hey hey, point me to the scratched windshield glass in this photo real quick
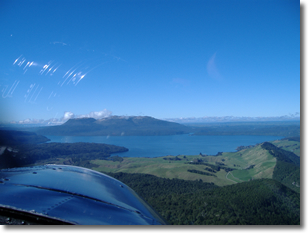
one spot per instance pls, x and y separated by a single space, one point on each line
182 61
45 79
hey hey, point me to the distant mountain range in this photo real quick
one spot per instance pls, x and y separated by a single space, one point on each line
115 126
149 126
184 120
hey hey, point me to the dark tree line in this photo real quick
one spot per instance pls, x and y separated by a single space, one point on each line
200 172
213 168
258 202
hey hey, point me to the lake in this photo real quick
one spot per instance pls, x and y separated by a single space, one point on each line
156 146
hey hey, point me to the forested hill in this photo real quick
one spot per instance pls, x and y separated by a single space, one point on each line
14 137
115 126
21 148
78 154
257 202
287 169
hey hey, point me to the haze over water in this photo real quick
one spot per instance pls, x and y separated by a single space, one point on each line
156 146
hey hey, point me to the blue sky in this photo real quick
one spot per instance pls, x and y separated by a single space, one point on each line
164 59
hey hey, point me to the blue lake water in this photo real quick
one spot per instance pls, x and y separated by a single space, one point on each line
156 146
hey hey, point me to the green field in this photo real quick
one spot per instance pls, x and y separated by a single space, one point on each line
292 146
244 165
225 169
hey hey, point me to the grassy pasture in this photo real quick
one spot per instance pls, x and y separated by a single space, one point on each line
235 167
252 163
292 146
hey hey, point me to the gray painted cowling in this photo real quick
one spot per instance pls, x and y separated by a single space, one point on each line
73 195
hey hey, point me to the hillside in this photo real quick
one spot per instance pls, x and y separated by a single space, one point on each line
291 144
14 137
77 154
115 126
287 169
261 161
258 202
264 160
22 148
223 169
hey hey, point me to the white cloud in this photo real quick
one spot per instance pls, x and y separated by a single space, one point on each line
97 115
31 121
68 115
